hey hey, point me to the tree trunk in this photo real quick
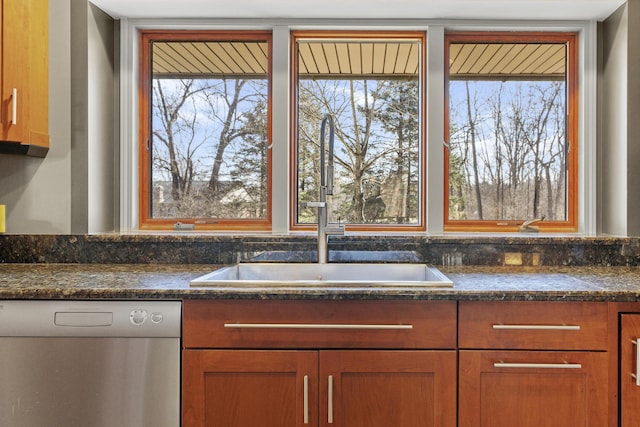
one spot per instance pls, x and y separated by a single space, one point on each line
224 140
474 154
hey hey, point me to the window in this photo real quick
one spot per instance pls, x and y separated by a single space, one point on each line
205 129
512 131
372 86
222 142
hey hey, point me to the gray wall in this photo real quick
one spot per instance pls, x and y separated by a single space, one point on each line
37 191
93 120
619 119
60 193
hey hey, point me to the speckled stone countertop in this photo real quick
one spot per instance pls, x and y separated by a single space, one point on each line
171 282
454 250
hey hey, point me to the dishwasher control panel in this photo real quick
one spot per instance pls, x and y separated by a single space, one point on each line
91 318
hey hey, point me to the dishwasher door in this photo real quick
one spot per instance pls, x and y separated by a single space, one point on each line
89 364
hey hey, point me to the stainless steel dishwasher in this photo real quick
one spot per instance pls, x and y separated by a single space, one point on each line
90 363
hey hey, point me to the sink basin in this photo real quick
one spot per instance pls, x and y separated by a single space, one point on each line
332 274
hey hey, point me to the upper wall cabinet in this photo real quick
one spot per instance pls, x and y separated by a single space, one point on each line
24 65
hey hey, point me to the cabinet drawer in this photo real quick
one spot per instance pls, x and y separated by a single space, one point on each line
533 325
319 324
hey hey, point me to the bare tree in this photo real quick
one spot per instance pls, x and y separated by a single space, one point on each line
471 120
232 125
196 122
538 139
176 133
399 116
510 140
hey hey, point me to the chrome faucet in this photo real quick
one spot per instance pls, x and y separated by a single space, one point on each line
326 188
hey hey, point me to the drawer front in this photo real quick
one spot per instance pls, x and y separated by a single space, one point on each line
319 324
533 325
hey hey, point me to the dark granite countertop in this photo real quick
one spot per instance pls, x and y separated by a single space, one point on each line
169 281
449 250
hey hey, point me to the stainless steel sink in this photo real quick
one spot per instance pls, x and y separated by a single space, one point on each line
331 274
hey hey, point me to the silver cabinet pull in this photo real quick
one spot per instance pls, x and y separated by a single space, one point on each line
539 327
330 400
637 373
538 365
14 106
311 326
305 416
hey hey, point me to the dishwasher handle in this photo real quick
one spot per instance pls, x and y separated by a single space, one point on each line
83 319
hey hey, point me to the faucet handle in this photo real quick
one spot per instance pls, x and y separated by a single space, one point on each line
313 205
335 228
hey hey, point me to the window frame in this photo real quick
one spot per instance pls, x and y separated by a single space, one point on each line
128 94
146 39
407 34
571 38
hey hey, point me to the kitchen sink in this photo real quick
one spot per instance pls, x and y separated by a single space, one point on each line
330 274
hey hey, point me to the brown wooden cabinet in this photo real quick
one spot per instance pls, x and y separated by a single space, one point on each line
404 364
24 108
355 388
629 365
241 365
247 388
381 388
532 389
533 364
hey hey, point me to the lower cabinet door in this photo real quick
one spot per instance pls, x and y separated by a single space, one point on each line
629 370
379 388
532 389
245 388
351 388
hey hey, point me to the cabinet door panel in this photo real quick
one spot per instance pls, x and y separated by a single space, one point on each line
532 389
240 388
25 81
387 388
629 391
15 43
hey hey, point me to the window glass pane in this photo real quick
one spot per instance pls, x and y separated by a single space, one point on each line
507 131
372 89
209 126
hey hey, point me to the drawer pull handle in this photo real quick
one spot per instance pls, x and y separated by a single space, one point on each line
305 415
14 106
311 326
637 374
330 400
538 365
539 327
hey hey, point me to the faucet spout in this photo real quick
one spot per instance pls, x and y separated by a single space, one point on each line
326 188
326 174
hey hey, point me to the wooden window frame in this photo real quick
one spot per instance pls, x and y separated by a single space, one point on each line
294 225
145 222
571 39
